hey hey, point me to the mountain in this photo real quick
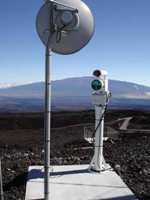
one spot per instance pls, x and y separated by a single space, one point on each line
72 94
7 85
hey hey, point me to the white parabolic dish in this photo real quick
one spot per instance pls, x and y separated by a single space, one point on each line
74 40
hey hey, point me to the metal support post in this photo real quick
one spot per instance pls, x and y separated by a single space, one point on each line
97 161
47 123
100 134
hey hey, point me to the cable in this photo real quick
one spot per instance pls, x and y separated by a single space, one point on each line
59 33
99 123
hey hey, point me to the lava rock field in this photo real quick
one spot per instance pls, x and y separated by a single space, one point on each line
21 145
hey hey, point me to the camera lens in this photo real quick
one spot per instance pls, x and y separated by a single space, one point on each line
97 73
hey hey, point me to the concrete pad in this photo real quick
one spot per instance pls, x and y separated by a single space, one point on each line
76 182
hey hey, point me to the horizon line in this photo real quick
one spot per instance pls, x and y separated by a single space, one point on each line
5 85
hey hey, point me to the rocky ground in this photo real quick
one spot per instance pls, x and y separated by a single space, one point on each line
21 146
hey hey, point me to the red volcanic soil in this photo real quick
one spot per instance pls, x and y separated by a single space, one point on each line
21 144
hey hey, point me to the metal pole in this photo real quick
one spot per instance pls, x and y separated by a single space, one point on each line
98 157
1 183
48 53
101 132
47 123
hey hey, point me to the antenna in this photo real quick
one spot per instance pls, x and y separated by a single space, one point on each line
63 28
70 28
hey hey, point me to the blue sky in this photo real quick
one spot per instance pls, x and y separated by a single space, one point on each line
121 43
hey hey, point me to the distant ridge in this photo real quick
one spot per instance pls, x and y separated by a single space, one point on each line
72 93
7 85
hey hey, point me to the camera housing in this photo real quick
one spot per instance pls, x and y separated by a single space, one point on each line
99 73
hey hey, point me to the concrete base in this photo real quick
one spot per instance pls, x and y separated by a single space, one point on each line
76 182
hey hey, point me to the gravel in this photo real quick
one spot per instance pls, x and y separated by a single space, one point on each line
130 157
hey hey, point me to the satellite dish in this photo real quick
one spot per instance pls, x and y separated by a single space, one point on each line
64 27
70 23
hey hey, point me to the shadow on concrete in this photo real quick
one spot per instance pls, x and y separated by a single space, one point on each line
129 197
115 198
35 174
71 172
38 174
89 185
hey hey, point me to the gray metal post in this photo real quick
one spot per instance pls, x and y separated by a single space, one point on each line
97 161
1 183
47 123
101 132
